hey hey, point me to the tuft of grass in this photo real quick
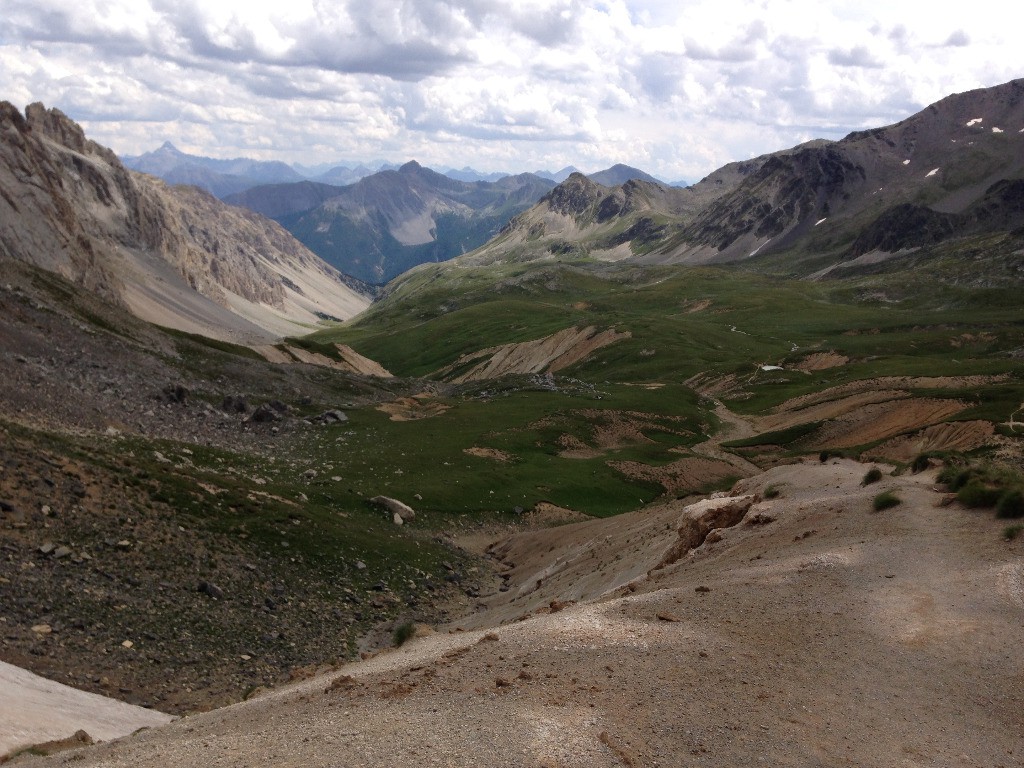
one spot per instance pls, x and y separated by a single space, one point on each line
873 475
1011 532
772 492
975 494
920 463
1010 504
403 633
885 500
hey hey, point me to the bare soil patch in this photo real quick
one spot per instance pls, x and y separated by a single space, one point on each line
421 406
489 453
612 430
887 383
821 361
878 421
547 355
687 475
955 436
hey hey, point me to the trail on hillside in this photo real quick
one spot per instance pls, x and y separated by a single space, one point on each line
734 427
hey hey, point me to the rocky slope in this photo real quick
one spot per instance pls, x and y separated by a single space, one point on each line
952 170
112 528
172 255
803 630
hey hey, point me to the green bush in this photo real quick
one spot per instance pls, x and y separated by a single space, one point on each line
873 475
964 477
975 494
772 492
1010 504
823 456
885 500
402 633
1011 532
920 463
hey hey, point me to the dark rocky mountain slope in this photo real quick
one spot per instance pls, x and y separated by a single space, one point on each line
951 170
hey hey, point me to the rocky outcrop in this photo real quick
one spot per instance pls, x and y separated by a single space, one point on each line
699 519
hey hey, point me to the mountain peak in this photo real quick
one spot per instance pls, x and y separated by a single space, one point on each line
619 174
56 125
411 167
168 147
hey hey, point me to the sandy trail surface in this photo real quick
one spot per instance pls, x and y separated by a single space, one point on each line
816 632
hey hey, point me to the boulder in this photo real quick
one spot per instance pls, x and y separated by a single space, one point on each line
395 507
265 413
234 404
211 590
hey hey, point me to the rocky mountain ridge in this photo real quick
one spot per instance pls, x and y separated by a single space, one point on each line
948 171
172 255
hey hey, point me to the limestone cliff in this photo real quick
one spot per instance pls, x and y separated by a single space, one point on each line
172 255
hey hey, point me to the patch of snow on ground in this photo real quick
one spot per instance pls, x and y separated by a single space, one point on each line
771 368
932 172
975 121
762 245
906 162
821 221
996 130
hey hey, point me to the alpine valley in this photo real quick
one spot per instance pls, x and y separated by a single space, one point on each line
600 472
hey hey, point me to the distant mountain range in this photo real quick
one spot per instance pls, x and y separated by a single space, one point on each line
386 223
372 224
392 220
229 177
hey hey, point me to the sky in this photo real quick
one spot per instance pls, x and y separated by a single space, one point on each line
676 88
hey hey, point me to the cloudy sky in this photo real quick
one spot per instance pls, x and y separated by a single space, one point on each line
676 87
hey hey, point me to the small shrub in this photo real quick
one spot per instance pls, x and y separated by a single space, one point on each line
885 500
962 477
403 632
920 463
823 456
873 475
975 494
1010 504
1011 532
772 492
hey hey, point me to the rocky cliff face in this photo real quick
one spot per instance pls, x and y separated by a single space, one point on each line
173 255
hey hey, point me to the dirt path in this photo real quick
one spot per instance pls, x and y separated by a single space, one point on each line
735 427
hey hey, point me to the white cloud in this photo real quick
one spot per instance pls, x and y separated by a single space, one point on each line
675 88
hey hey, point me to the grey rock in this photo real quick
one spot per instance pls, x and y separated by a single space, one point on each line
395 507
212 590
